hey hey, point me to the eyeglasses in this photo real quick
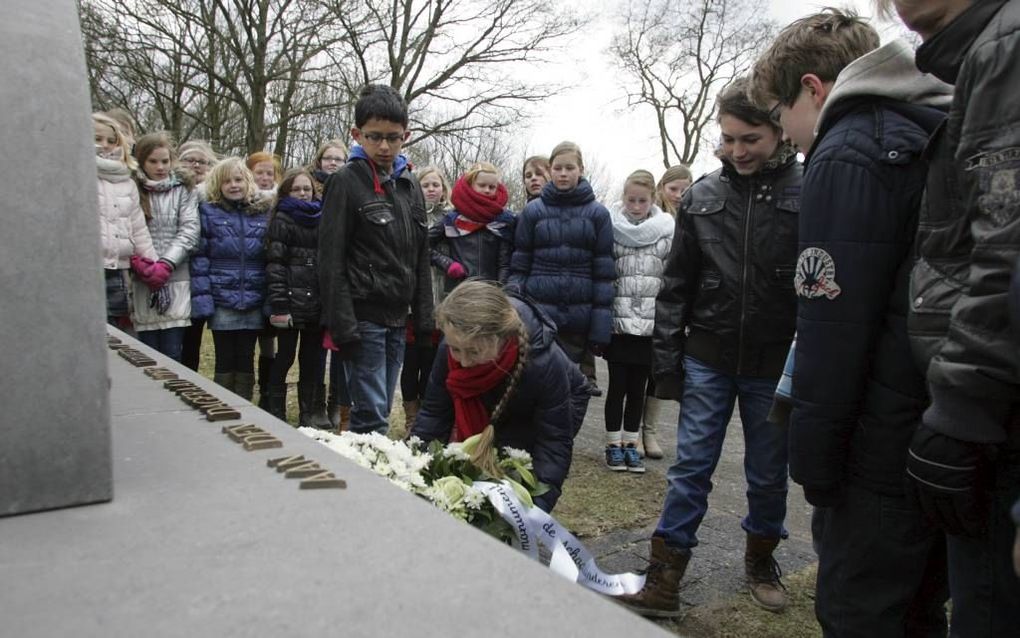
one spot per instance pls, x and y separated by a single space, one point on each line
774 113
333 158
376 138
195 161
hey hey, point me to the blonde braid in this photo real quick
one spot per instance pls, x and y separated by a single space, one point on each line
484 456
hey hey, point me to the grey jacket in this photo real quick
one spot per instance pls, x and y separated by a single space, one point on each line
175 230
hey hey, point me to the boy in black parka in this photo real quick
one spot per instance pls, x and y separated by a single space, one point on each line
861 115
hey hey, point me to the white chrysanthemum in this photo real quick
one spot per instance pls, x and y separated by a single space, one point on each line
456 452
518 455
474 498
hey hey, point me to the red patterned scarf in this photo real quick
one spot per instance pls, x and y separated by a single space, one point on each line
467 385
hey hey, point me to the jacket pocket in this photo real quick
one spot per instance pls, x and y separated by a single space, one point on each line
378 213
710 280
708 229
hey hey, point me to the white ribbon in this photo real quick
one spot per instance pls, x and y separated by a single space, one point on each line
570 558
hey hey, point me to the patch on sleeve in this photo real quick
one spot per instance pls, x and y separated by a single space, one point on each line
998 174
816 275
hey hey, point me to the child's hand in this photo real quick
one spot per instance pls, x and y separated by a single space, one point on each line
141 267
456 271
282 321
159 274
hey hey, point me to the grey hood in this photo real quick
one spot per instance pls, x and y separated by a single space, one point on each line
888 71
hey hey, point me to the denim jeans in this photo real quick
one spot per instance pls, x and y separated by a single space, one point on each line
706 408
881 569
985 591
169 341
373 374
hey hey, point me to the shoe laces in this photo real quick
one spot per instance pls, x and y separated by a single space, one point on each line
768 571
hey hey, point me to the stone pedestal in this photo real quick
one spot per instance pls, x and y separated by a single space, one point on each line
54 386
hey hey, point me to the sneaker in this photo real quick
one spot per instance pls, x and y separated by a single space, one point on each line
614 458
633 460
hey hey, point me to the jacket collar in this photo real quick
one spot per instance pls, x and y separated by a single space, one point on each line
943 54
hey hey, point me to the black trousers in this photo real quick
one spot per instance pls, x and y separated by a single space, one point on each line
414 376
881 569
625 398
310 355
191 353
235 350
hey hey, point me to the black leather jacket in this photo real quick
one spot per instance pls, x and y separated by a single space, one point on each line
969 231
727 297
373 253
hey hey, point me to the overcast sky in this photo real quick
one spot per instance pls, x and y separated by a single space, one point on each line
594 113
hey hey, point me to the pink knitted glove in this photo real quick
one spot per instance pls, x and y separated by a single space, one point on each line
159 275
141 267
456 271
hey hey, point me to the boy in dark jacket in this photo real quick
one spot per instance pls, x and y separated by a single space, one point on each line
724 320
861 115
374 256
964 461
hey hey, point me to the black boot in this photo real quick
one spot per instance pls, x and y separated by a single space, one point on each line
318 418
278 401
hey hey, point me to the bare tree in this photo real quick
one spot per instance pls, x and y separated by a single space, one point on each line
452 60
676 58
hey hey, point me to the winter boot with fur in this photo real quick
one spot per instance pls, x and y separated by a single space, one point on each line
653 407
660 597
763 573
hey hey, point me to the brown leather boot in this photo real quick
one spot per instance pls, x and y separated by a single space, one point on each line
660 597
345 418
763 573
410 412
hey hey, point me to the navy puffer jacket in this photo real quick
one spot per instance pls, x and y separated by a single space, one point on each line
563 259
229 267
544 413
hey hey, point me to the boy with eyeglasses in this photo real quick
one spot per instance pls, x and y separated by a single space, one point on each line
374 257
861 115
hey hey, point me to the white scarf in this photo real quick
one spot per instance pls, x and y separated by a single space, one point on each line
636 233
112 170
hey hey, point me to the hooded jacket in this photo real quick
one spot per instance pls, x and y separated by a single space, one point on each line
544 413
229 269
969 231
175 230
727 297
373 250
563 259
640 251
292 262
857 395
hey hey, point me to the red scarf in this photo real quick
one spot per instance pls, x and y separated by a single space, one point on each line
476 206
467 385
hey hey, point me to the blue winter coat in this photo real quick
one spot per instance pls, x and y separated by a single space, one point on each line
857 394
544 413
229 269
563 259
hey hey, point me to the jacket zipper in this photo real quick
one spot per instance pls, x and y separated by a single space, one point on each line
243 273
743 279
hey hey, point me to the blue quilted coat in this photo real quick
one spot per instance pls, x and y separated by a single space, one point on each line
229 268
563 260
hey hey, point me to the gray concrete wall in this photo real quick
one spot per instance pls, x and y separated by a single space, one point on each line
54 404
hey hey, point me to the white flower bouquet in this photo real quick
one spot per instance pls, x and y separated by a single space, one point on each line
441 474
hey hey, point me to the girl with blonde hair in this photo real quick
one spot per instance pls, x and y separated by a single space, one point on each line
419 353
125 236
500 373
642 236
228 271
671 187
